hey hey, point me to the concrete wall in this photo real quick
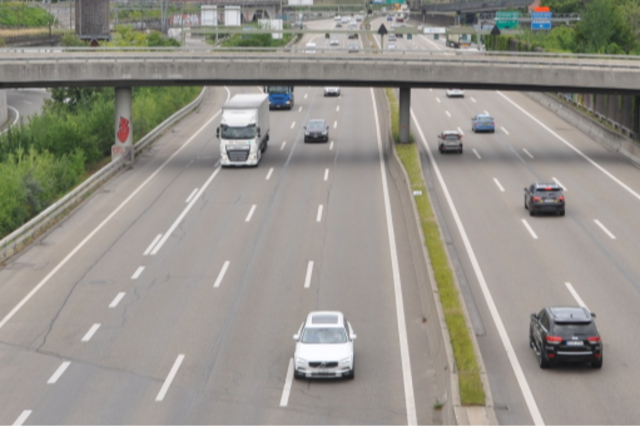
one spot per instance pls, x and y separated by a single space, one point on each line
589 126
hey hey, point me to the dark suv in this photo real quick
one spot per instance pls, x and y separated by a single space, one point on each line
566 334
544 197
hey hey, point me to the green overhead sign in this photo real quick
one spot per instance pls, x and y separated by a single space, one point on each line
507 20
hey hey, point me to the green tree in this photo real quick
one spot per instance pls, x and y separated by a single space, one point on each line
602 29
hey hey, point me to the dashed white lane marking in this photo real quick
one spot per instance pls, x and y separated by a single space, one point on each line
251 211
447 112
476 153
472 99
293 124
599 224
193 193
326 174
335 124
460 130
575 295
319 216
305 96
90 332
172 374
116 300
22 418
526 224
307 279
337 108
284 400
155 241
438 99
498 184
486 112
300 109
283 144
527 153
138 272
269 174
559 183
223 271
58 373
331 146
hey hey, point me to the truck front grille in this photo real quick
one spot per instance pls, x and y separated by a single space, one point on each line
238 155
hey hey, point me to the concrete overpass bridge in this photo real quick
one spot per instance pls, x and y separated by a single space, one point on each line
403 70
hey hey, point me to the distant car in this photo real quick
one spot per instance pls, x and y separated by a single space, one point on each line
338 25
483 122
310 48
353 48
316 130
450 140
299 24
389 18
391 46
352 36
345 19
324 347
542 197
455 93
337 18
332 91
565 334
392 37
334 42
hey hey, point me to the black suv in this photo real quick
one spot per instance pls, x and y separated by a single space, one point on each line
565 334
544 197
316 130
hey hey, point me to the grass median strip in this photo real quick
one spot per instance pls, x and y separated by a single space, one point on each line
470 383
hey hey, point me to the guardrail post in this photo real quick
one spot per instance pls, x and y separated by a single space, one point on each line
123 146
405 114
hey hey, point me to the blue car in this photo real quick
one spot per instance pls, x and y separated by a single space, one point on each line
483 123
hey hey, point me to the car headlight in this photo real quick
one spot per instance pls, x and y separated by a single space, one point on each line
324 132
300 361
346 360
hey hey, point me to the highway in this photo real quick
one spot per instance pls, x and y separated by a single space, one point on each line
104 321
522 263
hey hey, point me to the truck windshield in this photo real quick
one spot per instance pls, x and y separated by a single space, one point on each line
241 132
277 89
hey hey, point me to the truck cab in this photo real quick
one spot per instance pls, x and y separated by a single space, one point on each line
280 97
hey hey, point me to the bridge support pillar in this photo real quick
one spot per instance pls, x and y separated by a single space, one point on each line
405 114
123 146
4 112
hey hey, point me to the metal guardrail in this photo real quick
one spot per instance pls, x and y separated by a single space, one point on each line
23 236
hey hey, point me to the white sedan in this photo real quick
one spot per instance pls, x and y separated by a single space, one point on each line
324 347
332 91
455 92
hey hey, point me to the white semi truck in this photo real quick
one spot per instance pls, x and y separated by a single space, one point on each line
244 130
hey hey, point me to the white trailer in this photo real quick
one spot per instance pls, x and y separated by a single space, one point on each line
244 130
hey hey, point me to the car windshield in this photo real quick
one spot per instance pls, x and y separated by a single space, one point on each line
485 118
324 336
451 137
278 89
316 125
242 132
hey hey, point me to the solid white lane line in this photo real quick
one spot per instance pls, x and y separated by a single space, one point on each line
331 146
221 274
409 396
319 216
90 332
438 99
284 400
58 373
269 174
476 153
307 279
293 124
326 174
460 130
116 300
155 241
138 272
337 108
472 99
580 153
184 213
504 130
172 374
448 113
22 418
102 224
251 211
193 193
559 183
493 309
283 144
335 124
576 296
526 224
599 224
527 153
498 184
300 109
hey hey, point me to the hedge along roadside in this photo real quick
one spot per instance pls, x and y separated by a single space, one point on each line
23 236
472 392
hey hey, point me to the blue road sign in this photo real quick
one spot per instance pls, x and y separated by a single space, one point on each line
541 20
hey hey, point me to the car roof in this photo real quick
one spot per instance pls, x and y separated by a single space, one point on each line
546 185
325 318
483 115
570 314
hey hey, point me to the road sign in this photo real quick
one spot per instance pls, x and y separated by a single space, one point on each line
434 30
507 20
541 20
